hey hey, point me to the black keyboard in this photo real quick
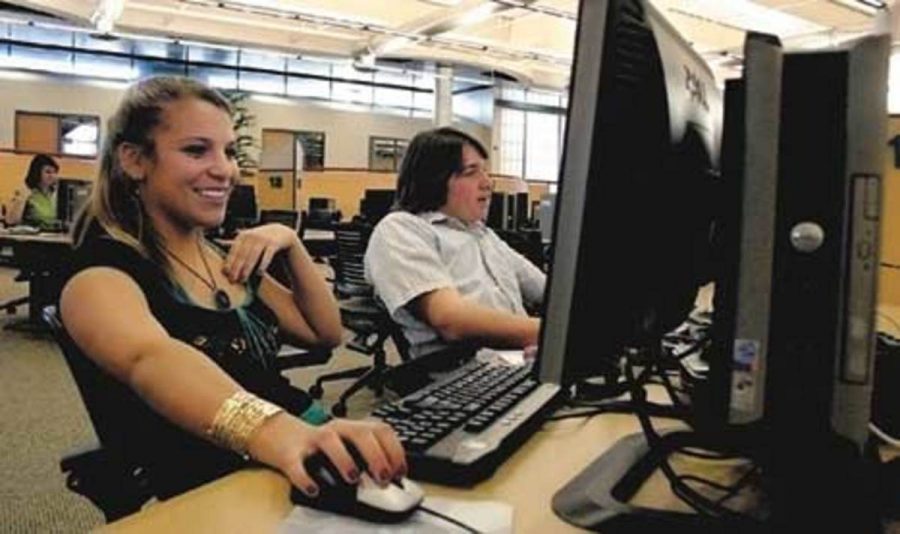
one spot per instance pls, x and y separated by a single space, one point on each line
459 429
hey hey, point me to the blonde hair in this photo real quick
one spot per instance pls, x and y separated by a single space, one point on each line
115 204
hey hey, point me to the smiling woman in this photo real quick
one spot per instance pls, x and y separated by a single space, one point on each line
192 331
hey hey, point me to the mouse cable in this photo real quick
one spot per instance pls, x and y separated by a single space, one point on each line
448 519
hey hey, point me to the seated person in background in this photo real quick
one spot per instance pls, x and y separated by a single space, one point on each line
444 276
185 334
37 207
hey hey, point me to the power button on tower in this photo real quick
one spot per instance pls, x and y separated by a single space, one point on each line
807 237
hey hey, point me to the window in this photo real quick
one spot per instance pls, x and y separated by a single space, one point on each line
386 153
512 142
59 51
52 133
313 144
530 144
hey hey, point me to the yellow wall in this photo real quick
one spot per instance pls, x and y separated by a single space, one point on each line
14 166
347 187
889 279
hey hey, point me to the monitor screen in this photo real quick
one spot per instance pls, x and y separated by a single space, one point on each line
496 217
634 214
321 203
376 204
241 211
523 215
71 197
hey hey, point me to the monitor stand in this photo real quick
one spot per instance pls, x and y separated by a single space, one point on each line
599 497
821 483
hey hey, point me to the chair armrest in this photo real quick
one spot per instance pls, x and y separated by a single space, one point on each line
290 357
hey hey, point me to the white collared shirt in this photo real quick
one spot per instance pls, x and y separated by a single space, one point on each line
413 254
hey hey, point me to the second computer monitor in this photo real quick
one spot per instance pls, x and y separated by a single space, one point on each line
71 197
241 211
376 204
633 217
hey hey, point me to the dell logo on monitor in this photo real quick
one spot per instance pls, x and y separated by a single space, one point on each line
695 87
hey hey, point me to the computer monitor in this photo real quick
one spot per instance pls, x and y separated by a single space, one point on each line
545 210
241 211
496 217
321 203
523 217
71 197
638 230
634 208
376 204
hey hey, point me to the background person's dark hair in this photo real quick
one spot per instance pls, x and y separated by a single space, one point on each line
432 158
38 162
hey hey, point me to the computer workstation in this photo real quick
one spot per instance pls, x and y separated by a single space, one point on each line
647 211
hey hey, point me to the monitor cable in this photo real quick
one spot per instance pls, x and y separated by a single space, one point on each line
448 519
680 488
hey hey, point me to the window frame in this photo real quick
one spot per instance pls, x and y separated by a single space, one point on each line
58 116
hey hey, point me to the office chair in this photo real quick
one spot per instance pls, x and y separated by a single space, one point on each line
103 474
289 218
527 243
363 314
115 485
11 304
320 218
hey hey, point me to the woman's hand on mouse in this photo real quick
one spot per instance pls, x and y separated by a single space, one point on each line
255 248
284 442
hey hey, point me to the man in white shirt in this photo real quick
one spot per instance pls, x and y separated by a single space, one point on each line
444 276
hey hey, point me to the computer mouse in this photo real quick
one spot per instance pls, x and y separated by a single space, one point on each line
365 500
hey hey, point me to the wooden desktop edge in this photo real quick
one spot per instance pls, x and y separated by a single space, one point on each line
256 500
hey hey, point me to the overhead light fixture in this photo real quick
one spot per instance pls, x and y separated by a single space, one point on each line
442 3
745 15
867 7
365 62
106 14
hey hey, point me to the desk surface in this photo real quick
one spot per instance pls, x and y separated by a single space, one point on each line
41 237
257 500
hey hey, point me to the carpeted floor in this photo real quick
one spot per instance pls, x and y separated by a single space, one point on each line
42 418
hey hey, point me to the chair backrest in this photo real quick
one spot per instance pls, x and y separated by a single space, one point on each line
320 218
289 218
115 484
352 238
93 384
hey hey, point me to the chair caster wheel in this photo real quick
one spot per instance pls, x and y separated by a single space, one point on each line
316 391
339 410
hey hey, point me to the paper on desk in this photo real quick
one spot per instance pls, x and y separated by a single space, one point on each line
490 517
508 357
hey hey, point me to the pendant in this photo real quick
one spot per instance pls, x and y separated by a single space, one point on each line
221 299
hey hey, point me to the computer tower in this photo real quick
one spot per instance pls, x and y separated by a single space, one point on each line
826 248
791 365
511 217
71 197
496 218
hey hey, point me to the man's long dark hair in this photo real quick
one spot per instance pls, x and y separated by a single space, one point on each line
432 158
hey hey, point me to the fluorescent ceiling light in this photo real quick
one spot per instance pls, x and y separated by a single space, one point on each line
747 15
477 14
867 7
442 3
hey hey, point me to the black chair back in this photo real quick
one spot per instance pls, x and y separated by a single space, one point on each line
104 475
289 218
349 272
